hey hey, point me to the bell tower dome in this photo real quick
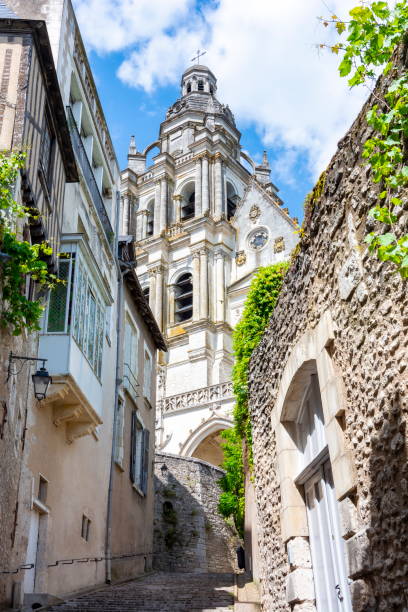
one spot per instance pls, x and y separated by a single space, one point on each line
198 79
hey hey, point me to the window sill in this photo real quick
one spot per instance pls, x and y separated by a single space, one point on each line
139 491
119 465
147 403
40 506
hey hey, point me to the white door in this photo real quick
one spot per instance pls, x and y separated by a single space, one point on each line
327 545
29 575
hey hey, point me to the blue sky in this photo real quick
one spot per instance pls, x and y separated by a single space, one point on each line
130 110
287 97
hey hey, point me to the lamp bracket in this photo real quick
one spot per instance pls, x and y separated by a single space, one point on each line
14 357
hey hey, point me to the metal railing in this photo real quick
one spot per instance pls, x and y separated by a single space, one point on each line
198 397
89 177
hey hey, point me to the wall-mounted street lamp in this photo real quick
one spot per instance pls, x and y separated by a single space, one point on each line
41 379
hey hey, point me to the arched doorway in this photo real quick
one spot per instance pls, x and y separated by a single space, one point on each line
205 443
210 449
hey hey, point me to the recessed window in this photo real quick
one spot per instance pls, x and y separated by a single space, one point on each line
47 146
147 383
139 454
200 86
146 293
231 201
150 219
184 298
42 489
119 431
86 527
130 360
189 88
188 207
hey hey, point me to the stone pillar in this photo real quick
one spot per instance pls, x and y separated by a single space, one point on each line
177 208
203 283
156 214
125 215
163 205
152 292
141 224
220 287
218 186
198 187
143 218
196 286
171 304
205 202
159 296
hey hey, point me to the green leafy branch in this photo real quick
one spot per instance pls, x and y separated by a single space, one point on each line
260 302
373 33
20 259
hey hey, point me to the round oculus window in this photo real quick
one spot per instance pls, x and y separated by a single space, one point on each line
258 239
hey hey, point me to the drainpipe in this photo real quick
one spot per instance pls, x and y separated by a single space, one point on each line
118 381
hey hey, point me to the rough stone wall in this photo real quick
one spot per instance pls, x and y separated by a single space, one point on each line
189 533
16 400
369 305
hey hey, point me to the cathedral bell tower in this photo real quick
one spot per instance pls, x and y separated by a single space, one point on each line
190 214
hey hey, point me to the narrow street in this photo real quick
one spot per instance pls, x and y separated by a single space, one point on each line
160 592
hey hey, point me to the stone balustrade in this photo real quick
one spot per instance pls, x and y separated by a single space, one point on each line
198 397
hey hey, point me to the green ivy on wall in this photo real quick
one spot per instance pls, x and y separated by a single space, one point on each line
261 300
19 258
374 31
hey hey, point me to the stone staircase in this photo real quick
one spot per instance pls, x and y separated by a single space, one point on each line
247 595
160 592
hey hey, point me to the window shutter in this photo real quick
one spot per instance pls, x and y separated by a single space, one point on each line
133 448
145 471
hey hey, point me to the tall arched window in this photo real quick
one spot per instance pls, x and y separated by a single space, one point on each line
188 207
150 218
200 86
231 201
189 87
183 298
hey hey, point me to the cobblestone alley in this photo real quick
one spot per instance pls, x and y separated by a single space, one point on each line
163 592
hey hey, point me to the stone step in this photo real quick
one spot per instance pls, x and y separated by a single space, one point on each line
161 592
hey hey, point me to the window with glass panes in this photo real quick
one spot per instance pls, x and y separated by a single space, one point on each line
59 313
75 307
139 454
89 319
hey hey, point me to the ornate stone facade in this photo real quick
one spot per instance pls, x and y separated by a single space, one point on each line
347 331
196 208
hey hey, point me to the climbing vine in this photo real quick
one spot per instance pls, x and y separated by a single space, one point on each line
19 258
261 300
374 33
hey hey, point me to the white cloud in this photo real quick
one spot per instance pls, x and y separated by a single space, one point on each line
112 25
262 52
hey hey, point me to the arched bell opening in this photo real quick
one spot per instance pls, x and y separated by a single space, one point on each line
150 218
188 202
183 298
232 201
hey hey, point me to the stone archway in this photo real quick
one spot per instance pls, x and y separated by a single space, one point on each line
204 443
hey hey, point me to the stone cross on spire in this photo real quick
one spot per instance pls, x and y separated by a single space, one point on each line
197 57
